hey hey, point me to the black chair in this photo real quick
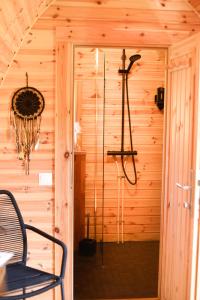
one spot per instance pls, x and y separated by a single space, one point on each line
23 281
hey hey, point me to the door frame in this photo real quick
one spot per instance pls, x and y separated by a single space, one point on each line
64 153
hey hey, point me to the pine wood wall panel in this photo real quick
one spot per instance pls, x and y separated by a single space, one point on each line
64 161
16 20
142 202
156 23
196 5
36 202
165 22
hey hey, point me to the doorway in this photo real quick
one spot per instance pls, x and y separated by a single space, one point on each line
121 220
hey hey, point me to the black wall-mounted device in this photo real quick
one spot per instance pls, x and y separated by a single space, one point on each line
159 98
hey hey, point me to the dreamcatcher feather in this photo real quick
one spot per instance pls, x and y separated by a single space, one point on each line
27 106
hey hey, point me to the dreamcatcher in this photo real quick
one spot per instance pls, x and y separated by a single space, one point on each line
27 106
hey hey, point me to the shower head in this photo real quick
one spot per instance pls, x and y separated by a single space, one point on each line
132 59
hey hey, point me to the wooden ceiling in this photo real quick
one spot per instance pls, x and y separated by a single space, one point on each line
175 19
195 4
16 19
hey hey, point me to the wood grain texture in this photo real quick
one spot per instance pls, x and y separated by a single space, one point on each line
165 22
169 17
181 222
37 57
63 156
36 202
148 143
16 21
196 5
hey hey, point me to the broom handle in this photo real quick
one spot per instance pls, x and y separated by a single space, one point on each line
118 198
88 224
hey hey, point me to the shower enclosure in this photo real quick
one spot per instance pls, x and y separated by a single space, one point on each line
120 214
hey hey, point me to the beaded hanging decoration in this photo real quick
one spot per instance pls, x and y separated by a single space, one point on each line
26 109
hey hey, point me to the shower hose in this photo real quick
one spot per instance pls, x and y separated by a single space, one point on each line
125 92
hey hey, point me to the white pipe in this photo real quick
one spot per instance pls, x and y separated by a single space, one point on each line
118 200
96 144
122 206
122 209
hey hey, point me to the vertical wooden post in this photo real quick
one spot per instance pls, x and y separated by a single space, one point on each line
63 160
195 267
165 171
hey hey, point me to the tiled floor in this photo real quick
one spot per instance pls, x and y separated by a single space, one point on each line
129 270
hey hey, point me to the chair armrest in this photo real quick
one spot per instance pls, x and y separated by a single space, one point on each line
54 240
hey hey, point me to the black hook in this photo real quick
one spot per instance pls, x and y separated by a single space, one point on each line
159 98
26 79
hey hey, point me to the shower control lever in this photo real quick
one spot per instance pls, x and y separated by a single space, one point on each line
124 153
184 187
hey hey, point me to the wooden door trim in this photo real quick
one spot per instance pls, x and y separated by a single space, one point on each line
65 43
63 206
165 178
196 242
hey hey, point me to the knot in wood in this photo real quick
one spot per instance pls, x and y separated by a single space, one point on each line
57 230
66 155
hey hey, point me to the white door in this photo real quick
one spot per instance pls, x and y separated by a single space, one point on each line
180 208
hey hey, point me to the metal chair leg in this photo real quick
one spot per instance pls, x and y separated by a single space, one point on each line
62 291
24 292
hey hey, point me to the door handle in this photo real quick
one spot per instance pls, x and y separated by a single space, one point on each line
187 188
186 205
184 187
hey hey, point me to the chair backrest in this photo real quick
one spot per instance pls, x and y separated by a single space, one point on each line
12 230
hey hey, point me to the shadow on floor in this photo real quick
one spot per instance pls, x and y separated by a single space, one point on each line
129 270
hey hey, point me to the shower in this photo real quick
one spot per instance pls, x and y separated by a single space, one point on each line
125 96
133 59
120 132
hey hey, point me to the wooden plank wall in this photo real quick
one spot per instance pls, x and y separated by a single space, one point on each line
180 168
181 206
157 24
196 5
141 202
17 17
16 20
37 57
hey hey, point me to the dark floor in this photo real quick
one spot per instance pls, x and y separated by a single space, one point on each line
130 270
